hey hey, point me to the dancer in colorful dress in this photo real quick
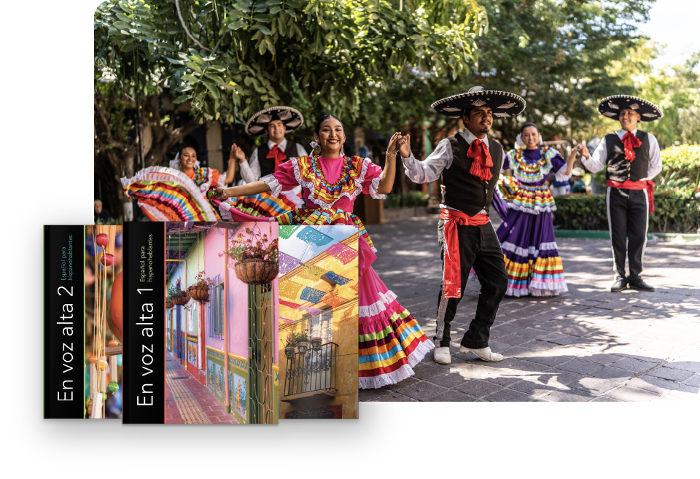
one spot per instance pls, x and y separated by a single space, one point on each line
391 340
177 193
273 122
469 164
527 232
631 158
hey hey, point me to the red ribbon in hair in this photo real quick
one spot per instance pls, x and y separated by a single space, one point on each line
452 274
630 142
482 160
279 156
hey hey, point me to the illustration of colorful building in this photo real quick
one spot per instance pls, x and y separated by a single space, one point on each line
318 299
227 343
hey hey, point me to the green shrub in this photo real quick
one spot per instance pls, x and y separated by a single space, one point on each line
406 200
581 212
683 160
675 212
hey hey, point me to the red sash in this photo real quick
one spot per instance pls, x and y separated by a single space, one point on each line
637 185
452 274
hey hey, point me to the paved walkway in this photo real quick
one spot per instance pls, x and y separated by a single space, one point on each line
586 345
187 401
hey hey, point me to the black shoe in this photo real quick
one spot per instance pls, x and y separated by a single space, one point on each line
618 285
639 284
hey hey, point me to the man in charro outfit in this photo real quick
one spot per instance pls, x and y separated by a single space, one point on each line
469 163
273 122
631 158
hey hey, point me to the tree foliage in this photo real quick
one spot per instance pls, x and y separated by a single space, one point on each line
677 91
230 58
225 59
557 54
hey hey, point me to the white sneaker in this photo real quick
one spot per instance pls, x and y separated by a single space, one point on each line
485 354
442 355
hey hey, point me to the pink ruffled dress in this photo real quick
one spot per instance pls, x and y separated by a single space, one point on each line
391 341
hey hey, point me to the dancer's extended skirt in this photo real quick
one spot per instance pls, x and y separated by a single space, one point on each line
391 340
165 194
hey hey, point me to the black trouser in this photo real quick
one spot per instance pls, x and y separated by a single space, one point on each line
478 248
628 217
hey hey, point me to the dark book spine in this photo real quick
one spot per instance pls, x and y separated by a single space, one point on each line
144 323
64 322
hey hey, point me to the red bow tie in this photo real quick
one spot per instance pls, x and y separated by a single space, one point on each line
279 156
630 142
482 160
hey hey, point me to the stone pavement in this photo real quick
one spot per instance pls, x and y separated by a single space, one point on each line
585 345
187 401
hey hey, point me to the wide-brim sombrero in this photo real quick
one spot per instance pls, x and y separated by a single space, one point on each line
257 124
613 105
503 104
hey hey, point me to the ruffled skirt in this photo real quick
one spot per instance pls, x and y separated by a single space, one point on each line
166 194
391 340
530 251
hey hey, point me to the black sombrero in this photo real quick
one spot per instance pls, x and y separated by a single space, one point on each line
613 105
257 124
502 103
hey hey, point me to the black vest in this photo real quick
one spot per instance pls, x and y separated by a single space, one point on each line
464 191
619 168
267 165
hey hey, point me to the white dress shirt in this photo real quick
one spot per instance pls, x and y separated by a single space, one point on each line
440 159
599 158
250 170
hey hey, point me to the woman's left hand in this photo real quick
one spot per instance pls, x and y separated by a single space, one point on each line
576 149
392 148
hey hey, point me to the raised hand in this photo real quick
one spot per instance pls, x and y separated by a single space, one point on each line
392 148
584 150
236 153
405 146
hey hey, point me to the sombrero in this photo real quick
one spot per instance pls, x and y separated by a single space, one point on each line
613 105
503 104
257 124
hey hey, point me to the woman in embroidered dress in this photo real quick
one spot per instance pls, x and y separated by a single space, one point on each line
391 340
527 233
178 193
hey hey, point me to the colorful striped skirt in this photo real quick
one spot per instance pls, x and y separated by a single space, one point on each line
530 251
391 340
166 194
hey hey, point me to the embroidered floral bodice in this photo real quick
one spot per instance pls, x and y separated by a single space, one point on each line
204 177
326 182
533 166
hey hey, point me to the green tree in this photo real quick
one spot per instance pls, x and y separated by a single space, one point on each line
231 58
225 59
676 90
557 54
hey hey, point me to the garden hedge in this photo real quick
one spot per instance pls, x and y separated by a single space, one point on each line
674 213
